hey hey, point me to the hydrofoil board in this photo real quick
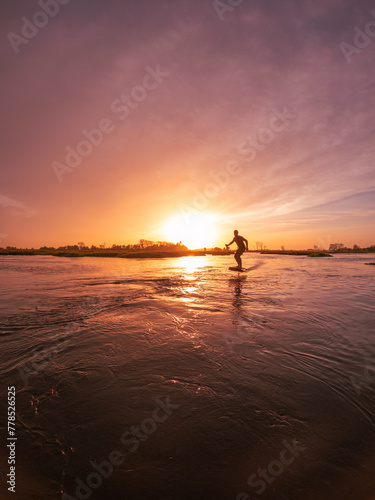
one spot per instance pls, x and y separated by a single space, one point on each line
238 269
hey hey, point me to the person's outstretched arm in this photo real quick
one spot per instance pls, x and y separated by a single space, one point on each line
227 245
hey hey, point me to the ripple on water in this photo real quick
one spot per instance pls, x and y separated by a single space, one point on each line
283 353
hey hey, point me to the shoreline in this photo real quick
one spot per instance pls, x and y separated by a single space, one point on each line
115 254
138 254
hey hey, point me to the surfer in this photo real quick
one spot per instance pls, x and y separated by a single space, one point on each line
240 240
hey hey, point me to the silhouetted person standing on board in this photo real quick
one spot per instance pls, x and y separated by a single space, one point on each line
240 240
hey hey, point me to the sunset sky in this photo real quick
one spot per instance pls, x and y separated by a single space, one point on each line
214 117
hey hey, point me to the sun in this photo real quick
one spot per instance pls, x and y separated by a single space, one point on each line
193 230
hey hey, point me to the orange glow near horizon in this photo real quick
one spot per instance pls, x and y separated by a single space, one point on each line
193 230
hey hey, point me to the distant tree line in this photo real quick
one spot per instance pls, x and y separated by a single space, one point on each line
340 247
151 246
156 246
141 245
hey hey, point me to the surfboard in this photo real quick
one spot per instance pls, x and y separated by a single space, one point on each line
242 270
246 269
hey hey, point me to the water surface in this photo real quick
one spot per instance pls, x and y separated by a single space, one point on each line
249 364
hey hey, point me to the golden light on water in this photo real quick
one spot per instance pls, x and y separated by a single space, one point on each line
193 230
189 265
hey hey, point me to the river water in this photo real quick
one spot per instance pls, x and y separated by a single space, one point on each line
179 379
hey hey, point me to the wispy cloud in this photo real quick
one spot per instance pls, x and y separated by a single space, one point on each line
226 78
16 207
